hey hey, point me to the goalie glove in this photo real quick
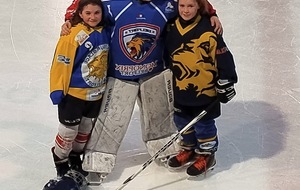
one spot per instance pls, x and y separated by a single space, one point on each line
225 90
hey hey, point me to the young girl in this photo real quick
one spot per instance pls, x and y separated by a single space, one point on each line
77 82
203 71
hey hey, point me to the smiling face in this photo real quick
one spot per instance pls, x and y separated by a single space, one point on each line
188 9
91 15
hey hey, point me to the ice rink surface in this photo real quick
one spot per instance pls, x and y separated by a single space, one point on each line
258 131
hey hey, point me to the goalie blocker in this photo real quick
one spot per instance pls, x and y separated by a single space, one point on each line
155 99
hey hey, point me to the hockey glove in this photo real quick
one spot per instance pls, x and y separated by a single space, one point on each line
57 96
225 91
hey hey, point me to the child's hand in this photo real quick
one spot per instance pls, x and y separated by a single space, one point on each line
66 28
215 22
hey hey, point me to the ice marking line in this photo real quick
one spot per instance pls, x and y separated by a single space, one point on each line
5 149
10 30
19 146
290 95
292 41
42 144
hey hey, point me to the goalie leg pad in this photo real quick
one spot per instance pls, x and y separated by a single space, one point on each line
156 107
155 145
99 162
111 125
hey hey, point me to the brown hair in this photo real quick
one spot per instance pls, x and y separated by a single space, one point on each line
203 4
82 3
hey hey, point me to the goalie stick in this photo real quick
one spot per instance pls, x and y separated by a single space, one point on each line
169 143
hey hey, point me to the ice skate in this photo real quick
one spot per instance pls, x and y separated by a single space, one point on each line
183 158
95 179
62 166
75 162
203 164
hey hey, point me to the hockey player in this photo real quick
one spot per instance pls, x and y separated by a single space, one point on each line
77 82
203 71
136 72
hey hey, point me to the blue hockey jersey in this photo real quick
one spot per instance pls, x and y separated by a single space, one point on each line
136 44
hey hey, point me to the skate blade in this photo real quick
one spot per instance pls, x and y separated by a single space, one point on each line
200 176
95 179
178 169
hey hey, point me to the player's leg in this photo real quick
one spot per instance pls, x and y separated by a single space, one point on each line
156 107
207 145
90 111
188 141
69 113
111 126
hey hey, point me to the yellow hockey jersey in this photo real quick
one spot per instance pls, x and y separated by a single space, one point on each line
79 66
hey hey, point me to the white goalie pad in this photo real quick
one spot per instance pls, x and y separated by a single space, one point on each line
156 107
111 125
99 162
155 145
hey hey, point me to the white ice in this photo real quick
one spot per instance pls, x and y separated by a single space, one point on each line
259 130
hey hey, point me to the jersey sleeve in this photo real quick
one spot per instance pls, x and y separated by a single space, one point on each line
212 11
225 61
71 9
61 68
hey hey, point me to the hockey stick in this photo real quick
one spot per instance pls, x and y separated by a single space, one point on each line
169 143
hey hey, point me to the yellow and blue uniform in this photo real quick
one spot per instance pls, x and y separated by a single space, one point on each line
79 66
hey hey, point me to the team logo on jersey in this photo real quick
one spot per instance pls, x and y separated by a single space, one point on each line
94 66
138 40
81 37
169 8
140 17
63 59
194 66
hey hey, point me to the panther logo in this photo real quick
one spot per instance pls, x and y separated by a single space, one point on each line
139 45
194 65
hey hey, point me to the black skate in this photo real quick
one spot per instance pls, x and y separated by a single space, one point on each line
76 163
183 158
62 166
203 164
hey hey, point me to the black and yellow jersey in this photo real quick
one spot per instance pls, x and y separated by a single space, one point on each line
198 58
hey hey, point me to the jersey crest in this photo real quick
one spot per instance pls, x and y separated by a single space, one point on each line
94 66
194 65
138 40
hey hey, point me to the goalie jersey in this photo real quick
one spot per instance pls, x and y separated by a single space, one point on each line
79 66
136 41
